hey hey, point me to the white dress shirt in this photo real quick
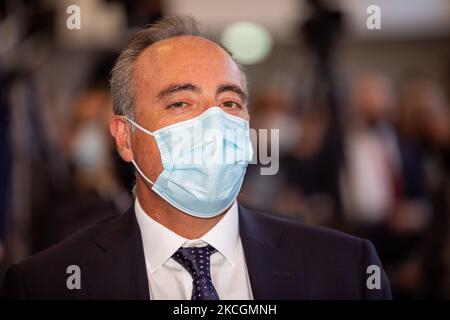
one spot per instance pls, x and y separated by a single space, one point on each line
167 279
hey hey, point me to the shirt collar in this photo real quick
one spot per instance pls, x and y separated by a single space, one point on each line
224 236
160 243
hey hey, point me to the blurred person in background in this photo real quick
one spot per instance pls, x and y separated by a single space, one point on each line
95 191
423 125
372 170
386 183
373 177
89 147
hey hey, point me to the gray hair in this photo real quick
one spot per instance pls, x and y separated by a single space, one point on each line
122 87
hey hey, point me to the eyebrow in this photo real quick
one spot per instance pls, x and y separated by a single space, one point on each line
174 88
232 88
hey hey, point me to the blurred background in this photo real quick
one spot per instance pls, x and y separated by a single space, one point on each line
363 115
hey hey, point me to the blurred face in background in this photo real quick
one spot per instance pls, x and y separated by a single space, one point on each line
88 142
423 112
372 98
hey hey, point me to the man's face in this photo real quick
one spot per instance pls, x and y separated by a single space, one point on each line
175 80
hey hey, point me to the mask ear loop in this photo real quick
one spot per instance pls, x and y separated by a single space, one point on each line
139 127
141 173
134 162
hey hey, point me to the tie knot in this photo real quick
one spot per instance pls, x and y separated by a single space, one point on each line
195 260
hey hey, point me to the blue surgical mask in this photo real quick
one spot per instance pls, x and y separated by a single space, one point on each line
204 162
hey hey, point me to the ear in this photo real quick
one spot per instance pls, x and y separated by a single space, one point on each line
121 131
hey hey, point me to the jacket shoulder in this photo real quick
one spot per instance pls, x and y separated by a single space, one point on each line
336 263
299 234
76 247
48 268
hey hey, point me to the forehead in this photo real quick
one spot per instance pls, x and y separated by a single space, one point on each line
185 59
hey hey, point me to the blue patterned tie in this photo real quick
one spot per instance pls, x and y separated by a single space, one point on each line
196 262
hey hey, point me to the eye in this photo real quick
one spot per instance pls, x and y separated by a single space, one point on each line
177 105
232 104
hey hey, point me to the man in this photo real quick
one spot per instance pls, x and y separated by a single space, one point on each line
186 237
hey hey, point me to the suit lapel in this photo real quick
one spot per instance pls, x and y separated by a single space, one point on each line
119 271
275 272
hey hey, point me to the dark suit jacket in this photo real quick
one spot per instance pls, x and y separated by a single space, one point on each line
285 260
